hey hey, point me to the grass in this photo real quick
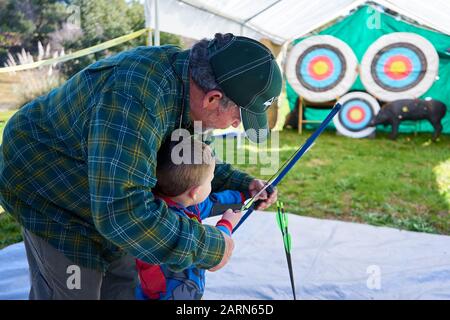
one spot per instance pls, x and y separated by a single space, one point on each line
403 184
4 116
8 96
9 228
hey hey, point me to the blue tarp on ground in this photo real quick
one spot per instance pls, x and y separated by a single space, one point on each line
331 259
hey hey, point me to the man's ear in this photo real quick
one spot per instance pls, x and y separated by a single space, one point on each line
212 99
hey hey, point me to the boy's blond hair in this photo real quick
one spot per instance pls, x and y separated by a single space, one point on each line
182 165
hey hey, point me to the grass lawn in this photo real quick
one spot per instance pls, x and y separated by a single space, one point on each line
8 96
9 229
403 184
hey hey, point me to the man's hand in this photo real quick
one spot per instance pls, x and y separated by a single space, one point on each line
255 186
229 246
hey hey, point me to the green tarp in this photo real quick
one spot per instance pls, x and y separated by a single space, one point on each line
358 31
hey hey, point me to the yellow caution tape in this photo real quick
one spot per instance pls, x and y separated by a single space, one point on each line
77 54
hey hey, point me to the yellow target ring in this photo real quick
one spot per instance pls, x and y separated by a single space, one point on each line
320 68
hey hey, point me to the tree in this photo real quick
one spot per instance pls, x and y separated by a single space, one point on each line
24 23
103 20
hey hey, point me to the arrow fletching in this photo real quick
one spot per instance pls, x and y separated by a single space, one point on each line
287 242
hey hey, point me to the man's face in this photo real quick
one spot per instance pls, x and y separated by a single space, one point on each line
222 117
207 108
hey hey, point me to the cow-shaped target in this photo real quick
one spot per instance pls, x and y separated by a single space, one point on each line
399 65
358 109
321 68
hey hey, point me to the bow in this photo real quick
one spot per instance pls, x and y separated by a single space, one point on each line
252 203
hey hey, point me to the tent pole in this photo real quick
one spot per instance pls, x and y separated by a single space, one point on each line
148 15
157 43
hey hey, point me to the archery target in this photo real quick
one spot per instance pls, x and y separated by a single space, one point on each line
321 68
358 109
399 65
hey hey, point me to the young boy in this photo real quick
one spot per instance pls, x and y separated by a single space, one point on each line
186 188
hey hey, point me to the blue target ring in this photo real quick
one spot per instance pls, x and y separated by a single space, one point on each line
356 114
316 82
358 109
321 68
399 67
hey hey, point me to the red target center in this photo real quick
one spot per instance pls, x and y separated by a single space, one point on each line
355 114
320 67
398 67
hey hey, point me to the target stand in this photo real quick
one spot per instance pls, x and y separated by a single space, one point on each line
302 103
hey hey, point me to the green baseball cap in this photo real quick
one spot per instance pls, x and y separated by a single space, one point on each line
248 74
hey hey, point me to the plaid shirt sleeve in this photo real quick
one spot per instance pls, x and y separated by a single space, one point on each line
123 140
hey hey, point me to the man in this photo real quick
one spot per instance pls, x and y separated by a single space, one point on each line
77 165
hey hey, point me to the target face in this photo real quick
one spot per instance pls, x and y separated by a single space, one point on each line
358 109
399 65
321 68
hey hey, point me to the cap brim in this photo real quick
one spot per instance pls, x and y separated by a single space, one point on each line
255 126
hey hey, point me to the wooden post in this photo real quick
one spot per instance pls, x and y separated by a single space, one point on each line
300 114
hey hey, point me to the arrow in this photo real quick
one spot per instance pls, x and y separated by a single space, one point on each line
282 220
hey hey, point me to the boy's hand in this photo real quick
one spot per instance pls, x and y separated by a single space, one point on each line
229 246
232 216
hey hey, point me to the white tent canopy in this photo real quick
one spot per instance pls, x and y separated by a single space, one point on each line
278 20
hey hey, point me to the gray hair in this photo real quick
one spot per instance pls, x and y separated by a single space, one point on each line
200 68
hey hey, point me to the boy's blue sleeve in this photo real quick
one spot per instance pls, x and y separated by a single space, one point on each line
223 197
228 197
224 229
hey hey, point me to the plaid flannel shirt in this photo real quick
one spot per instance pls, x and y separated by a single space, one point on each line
77 165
